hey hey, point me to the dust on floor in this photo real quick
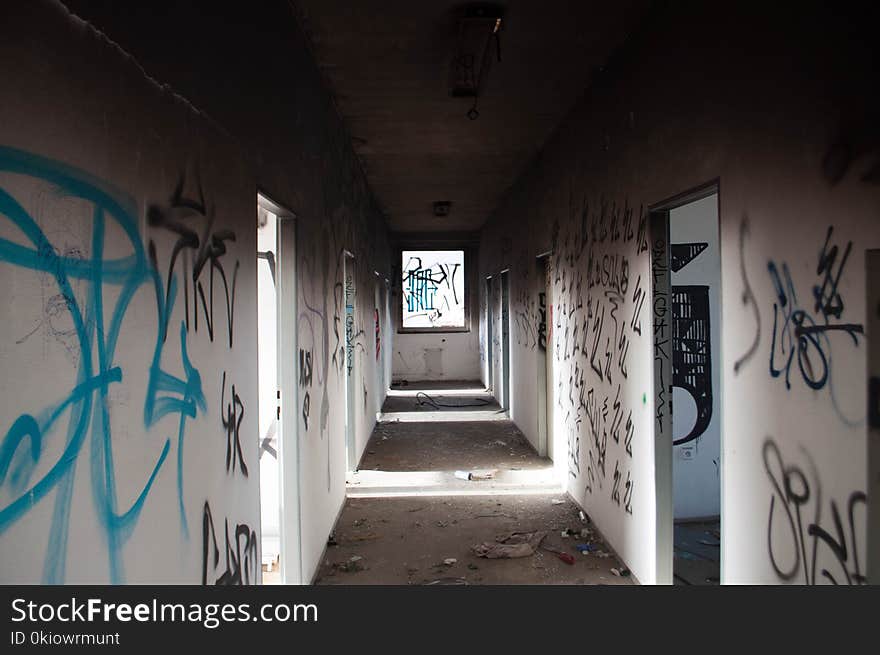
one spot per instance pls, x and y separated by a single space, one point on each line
413 540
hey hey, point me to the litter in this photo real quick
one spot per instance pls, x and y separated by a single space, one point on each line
583 517
603 554
476 475
449 561
450 581
586 532
565 557
353 565
586 548
557 501
510 545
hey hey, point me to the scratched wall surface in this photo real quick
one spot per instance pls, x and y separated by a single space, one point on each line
797 167
128 430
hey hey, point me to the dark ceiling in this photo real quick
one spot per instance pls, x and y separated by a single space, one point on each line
388 62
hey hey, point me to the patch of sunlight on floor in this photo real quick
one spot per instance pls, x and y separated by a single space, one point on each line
385 484
445 416
412 393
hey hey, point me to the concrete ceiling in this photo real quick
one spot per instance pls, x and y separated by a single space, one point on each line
388 64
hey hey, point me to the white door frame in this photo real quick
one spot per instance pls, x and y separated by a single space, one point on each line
288 426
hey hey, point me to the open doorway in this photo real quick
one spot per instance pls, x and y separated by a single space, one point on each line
686 270
490 335
872 279
505 341
276 343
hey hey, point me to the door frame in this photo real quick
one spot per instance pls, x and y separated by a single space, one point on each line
289 447
660 282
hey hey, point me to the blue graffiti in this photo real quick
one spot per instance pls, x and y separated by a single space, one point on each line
88 403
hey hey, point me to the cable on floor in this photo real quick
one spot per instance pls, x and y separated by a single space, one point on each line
480 402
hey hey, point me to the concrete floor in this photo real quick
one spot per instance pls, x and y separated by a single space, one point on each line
697 552
407 513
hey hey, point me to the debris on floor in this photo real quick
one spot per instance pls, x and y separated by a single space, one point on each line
557 501
476 475
449 561
511 545
565 557
449 581
353 565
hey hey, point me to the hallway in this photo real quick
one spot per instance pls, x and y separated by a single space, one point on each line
293 282
407 513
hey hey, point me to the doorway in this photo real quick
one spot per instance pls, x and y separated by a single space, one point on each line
490 335
872 284
505 341
277 424
686 270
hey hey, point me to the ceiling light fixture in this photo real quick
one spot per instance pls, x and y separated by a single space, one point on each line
479 38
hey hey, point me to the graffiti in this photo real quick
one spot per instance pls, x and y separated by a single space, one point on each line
305 380
795 492
240 553
598 299
95 326
231 420
691 353
748 297
349 324
683 253
660 275
542 321
305 368
796 332
432 286
378 335
206 249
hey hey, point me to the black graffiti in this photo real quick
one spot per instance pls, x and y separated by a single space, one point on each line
240 553
661 339
827 297
691 353
231 419
683 253
794 491
305 368
638 299
628 494
542 321
748 296
798 334
306 409
206 249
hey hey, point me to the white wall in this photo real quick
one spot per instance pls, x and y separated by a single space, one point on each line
791 162
697 463
437 356
109 482
117 437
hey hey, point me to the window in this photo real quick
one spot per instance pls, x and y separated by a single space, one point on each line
433 290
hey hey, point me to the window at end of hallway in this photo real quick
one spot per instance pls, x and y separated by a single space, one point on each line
433 290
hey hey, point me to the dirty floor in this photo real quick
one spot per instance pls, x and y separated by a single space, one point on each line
409 520
697 553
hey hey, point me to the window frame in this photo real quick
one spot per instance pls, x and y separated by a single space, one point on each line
467 262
